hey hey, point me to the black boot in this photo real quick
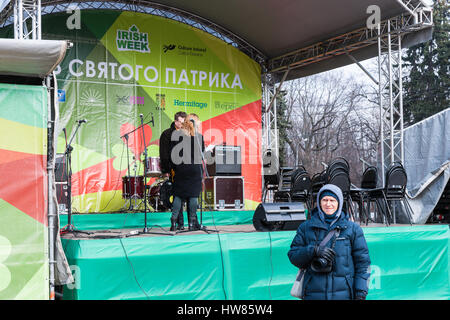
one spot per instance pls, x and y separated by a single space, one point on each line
180 220
173 226
193 223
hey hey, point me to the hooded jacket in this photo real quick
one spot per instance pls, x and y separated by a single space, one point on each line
351 268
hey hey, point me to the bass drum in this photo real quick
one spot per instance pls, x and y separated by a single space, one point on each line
160 196
133 187
166 194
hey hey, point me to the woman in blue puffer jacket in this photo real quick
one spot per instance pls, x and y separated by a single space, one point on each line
346 251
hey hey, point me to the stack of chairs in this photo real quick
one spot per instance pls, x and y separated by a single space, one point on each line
393 191
283 193
338 173
300 186
317 181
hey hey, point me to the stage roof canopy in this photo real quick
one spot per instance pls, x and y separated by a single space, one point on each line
267 29
30 58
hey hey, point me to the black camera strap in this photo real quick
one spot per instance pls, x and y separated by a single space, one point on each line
329 236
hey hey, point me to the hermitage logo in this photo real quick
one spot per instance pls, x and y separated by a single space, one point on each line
132 40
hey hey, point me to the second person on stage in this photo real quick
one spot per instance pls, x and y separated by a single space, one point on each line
186 147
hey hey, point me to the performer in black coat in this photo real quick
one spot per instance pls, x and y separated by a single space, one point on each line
187 146
164 154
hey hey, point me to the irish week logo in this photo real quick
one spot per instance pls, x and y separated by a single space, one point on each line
132 40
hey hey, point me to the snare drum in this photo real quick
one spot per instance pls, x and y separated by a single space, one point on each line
132 187
153 167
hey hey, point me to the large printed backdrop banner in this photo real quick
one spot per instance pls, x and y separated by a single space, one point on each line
124 64
23 193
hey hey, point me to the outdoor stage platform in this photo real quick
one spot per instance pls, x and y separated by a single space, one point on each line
235 263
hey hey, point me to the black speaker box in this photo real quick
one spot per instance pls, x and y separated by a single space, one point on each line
226 160
60 168
279 216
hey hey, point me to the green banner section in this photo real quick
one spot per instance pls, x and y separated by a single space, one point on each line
93 221
24 267
407 263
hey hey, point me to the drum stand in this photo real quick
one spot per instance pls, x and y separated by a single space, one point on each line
134 196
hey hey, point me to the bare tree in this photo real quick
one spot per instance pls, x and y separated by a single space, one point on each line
331 116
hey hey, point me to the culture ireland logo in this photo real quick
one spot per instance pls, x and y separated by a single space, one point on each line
132 40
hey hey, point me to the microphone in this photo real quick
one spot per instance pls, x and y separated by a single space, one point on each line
192 120
82 121
152 121
141 115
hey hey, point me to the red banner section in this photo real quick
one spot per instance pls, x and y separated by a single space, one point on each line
24 182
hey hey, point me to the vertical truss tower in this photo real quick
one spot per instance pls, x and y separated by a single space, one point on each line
390 74
27 19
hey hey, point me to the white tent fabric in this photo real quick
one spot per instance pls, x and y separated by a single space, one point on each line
3 4
427 163
30 58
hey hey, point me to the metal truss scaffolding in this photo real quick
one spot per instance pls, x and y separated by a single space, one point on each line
269 122
390 98
390 75
388 37
27 19
54 6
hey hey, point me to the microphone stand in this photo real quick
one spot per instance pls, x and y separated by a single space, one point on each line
202 227
146 230
126 136
68 155
128 166
145 175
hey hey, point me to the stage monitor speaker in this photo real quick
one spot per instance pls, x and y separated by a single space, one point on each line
224 160
60 168
279 216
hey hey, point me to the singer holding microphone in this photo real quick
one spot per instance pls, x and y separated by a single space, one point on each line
186 150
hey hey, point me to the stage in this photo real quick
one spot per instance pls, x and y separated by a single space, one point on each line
112 259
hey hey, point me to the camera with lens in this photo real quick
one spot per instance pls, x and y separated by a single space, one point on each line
323 259
321 265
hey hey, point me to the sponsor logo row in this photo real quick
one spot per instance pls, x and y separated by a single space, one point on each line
93 97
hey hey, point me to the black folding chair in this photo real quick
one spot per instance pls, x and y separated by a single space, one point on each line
361 195
317 181
393 191
301 186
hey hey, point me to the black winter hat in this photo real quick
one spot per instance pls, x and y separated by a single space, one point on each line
328 193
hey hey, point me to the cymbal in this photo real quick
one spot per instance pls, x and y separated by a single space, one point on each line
153 174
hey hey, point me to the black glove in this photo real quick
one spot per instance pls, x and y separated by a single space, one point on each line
324 252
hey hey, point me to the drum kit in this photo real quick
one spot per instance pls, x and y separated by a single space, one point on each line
158 193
